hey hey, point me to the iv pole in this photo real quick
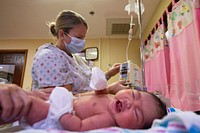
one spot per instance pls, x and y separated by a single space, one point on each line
141 47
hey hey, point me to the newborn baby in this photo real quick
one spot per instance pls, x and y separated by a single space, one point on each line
126 109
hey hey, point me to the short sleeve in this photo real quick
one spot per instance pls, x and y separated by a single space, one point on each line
50 69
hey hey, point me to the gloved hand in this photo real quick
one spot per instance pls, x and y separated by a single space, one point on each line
98 79
61 102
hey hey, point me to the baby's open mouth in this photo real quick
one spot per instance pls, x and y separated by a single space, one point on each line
119 106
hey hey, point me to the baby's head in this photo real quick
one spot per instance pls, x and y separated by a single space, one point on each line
161 110
137 109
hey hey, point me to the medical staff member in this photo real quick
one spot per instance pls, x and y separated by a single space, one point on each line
57 65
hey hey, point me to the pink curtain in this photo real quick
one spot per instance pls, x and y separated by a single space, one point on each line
183 27
156 62
174 70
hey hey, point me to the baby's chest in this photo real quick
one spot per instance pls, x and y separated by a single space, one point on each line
89 109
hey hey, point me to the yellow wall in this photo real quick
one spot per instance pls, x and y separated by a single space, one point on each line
157 15
114 51
111 51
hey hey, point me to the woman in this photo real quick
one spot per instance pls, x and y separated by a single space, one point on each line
56 65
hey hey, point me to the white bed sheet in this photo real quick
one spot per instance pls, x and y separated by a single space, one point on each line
182 122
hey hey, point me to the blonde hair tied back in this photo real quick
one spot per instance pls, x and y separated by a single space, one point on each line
52 29
66 20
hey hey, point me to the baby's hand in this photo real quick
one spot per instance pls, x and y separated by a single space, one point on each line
98 80
61 101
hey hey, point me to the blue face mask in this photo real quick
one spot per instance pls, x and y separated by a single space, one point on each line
76 45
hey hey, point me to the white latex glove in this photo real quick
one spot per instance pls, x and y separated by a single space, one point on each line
98 79
61 102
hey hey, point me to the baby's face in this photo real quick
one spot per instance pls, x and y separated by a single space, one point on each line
132 109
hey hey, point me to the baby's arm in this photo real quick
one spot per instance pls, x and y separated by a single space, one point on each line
73 123
38 110
60 102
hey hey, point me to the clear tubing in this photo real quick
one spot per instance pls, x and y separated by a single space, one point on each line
130 35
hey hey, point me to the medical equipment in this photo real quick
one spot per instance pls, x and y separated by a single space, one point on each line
127 72
131 73
126 69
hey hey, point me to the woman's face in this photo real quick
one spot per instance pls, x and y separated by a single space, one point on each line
79 31
132 109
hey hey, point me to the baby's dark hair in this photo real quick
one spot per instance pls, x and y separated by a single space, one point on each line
161 110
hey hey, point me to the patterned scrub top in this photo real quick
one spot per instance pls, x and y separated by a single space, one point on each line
53 67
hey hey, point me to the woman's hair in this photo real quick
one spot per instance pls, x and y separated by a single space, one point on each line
161 110
66 20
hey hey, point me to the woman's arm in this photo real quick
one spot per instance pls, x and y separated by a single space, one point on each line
112 71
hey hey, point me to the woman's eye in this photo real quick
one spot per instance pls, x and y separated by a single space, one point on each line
79 37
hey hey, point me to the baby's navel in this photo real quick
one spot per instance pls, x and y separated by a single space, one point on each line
94 104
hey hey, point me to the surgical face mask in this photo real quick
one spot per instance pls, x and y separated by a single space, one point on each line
76 45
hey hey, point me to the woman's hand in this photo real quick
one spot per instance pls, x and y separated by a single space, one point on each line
14 103
113 70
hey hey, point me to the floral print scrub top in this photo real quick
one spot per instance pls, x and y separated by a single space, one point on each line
53 67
